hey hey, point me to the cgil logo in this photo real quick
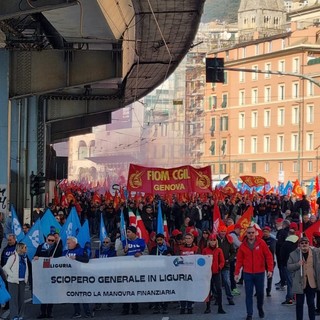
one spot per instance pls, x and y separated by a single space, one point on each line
46 264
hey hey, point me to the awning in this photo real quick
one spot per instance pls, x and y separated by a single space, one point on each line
219 177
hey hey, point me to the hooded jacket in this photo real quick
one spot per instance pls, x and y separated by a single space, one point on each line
288 246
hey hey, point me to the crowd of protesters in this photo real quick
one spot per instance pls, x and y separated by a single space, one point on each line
190 227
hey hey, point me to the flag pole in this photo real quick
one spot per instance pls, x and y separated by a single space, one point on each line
300 218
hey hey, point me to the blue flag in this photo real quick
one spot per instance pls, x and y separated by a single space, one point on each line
160 228
16 226
103 231
71 227
33 239
123 231
84 237
4 294
49 224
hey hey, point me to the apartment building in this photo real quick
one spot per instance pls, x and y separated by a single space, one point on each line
262 123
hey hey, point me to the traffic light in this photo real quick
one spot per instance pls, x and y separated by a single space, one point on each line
33 184
41 183
37 184
215 70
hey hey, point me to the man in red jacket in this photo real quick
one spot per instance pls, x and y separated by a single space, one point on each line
255 258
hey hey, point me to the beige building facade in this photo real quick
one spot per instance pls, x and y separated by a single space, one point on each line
266 124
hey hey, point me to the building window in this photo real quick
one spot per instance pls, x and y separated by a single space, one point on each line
270 46
295 166
223 168
242 76
241 98
294 142
281 117
280 166
280 143
254 119
310 114
295 90
254 144
213 126
310 166
267 94
82 150
267 118
283 43
244 52
267 68
281 66
164 130
267 167
241 120
212 148
241 146
224 123
281 92
91 148
310 88
240 167
295 115
257 49
254 74
254 97
213 168
295 65
266 144
254 167
212 102
309 142
224 102
223 147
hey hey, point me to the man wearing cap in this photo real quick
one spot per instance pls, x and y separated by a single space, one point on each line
176 241
304 264
255 258
225 242
271 243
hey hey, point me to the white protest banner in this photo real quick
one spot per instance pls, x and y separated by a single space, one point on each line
122 279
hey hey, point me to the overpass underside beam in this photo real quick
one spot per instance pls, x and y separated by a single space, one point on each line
41 72
14 8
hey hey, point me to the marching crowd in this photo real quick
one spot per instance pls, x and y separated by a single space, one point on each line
240 256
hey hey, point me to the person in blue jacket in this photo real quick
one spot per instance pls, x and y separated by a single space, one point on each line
75 252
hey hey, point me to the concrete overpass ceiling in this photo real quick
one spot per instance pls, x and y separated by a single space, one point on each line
112 50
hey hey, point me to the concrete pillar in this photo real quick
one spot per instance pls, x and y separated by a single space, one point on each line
4 132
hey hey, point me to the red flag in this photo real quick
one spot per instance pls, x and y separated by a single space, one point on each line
314 228
64 201
217 221
96 198
229 189
297 190
254 181
245 221
317 184
141 229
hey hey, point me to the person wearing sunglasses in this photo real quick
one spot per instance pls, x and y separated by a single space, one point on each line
49 249
255 258
304 264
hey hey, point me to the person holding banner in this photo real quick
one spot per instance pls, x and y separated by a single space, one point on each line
132 246
49 249
189 248
161 249
75 252
16 269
